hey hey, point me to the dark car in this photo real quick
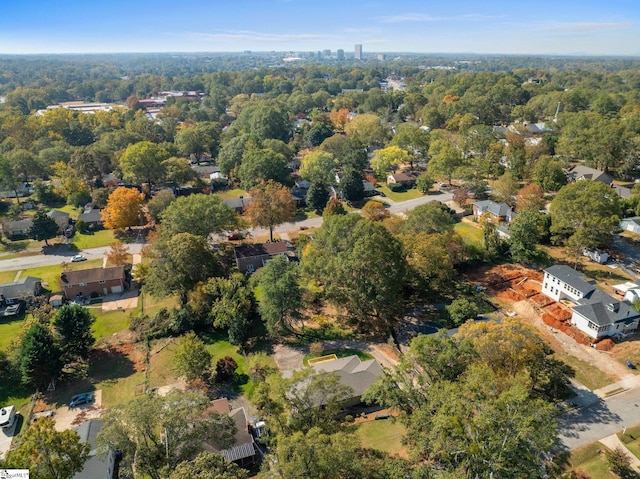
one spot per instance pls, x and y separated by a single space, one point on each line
80 399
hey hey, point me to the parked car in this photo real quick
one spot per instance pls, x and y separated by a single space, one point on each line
233 236
80 399
77 258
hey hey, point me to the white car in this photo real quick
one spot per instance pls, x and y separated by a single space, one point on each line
77 258
7 417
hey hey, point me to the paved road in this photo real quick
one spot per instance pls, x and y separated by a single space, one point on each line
600 419
40 260
395 207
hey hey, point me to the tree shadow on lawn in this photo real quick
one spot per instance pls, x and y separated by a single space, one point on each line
110 364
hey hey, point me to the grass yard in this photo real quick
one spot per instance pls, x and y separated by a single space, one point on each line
589 459
219 347
160 372
340 353
150 305
9 330
631 439
110 322
15 247
233 194
51 274
384 435
469 232
93 240
405 195
585 373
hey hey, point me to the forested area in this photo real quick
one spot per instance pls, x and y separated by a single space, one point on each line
478 404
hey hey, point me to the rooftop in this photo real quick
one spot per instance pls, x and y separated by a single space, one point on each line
92 275
353 372
249 250
571 277
602 309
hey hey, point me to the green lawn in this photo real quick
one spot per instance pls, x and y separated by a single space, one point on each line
589 459
340 353
219 347
94 240
110 322
406 195
161 363
469 232
150 305
51 274
586 374
9 329
233 194
384 435
631 439
15 247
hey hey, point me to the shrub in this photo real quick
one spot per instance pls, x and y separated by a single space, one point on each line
225 369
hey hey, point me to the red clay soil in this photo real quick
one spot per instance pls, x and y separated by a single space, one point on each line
605 345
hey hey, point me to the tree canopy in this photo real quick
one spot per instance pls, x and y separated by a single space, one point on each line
198 214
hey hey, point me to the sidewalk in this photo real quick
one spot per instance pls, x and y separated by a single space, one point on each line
613 443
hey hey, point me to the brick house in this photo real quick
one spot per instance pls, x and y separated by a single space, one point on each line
94 281
250 257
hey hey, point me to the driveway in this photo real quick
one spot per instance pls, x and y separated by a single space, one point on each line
66 418
6 436
628 254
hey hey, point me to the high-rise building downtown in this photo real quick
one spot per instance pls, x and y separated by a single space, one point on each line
340 54
358 52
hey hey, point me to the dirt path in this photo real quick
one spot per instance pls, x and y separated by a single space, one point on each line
561 342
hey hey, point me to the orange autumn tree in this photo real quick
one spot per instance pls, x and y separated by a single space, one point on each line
271 206
118 254
123 209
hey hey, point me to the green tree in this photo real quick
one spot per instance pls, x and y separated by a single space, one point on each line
360 265
262 164
231 153
504 189
548 174
319 167
157 433
317 196
42 228
351 186
317 134
49 454
462 309
192 360
281 297
180 263
432 217
39 357
367 129
265 121
73 324
201 138
445 160
199 214
430 258
388 159
424 183
207 465
271 206
334 207
584 215
178 171
413 139
525 232
159 203
142 162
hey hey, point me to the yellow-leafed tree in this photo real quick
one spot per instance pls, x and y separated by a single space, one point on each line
123 210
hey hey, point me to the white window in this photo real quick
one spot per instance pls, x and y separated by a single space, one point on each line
83 284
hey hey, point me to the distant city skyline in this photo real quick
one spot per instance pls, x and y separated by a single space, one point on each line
567 27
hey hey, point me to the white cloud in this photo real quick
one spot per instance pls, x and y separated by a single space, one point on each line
250 36
423 17
584 27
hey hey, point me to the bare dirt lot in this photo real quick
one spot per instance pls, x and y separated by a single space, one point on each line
518 289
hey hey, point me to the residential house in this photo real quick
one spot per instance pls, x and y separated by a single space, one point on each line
536 128
595 313
250 257
96 466
16 229
401 178
93 282
243 451
238 204
354 373
91 217
581 172
631 224
622 191
61 218
497 212
503 232
596 255
14 296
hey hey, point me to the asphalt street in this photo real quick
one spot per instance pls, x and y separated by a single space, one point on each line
39 260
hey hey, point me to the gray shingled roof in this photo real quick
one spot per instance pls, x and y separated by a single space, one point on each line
24 288
243 446
602 309
352 372
20 225
249 250
584 172
496 209
94 467
571 277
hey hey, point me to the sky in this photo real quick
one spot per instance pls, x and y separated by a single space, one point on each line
565 27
